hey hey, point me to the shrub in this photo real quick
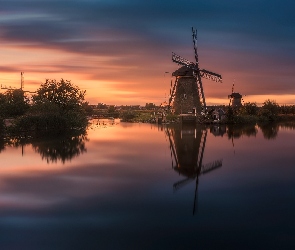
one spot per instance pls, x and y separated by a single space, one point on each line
249 109
128 116
269 111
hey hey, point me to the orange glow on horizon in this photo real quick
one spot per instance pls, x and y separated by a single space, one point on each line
107 79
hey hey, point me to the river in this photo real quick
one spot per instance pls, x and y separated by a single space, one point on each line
144 186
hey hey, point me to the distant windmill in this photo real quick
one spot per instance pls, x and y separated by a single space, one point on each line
235 99
187 91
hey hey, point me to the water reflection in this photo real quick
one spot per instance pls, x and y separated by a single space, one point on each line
218 130
187 146
62 148
121 190
188 142
269 131
288 125
237 131
2 144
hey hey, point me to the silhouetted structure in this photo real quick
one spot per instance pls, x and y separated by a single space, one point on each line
187 94
235 100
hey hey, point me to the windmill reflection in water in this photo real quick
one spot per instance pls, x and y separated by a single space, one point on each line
187 146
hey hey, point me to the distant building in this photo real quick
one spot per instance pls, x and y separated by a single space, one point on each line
218 114
236 100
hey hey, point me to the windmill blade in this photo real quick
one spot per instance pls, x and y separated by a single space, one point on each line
172 92
196 196
172 146
182 183
211 166
194 31
210 75
182 61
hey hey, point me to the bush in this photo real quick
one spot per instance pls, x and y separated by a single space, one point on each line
230 115
128 116
269 111
13 103
41 124
249 109
1 127
112 112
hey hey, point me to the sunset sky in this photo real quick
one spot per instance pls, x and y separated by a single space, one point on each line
119 50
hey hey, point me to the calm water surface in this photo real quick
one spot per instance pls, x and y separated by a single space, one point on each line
143 186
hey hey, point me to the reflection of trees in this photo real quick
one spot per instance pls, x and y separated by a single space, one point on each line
236 131
2 144
218 129
187 146
288 125
269 131
12 141
63 149
233 131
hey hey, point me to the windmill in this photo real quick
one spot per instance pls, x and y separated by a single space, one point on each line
187 91
235 98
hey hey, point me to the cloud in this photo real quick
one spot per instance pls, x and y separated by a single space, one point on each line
131 41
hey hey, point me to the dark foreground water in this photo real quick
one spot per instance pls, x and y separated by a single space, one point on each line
140 186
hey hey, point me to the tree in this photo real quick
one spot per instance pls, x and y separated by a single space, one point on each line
150 106
63 94
249 109
88 109
101 106
3 103
113 112
270 110
13 103
128 116
230 114
57 107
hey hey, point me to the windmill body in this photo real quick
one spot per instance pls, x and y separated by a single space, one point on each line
236 99
187 94
186 97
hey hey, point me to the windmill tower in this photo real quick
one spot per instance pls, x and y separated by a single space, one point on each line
187 92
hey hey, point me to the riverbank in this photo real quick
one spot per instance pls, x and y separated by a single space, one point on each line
148 117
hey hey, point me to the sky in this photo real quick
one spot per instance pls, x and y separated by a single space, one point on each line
119 51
